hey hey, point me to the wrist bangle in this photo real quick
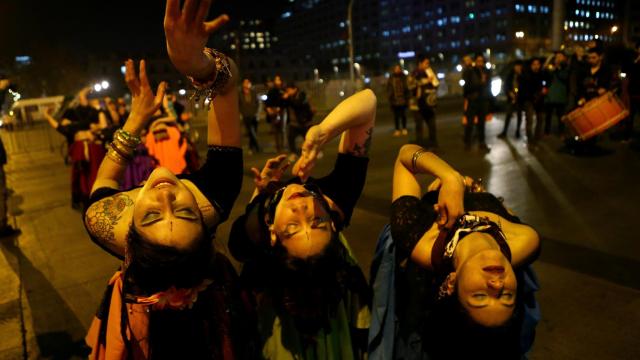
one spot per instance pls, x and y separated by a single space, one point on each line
127 138
211 88
121 152
416 156
115 157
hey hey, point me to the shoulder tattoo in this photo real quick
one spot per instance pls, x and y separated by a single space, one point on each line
103 216
362 149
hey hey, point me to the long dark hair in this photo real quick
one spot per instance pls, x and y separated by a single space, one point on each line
150 268
451 333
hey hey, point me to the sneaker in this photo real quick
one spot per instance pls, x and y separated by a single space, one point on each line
396 133
8 231
405 132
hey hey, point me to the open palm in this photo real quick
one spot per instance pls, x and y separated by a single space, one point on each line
187 33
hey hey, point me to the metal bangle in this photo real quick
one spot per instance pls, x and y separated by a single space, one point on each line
416 156
128 138
115 157
221 76
122 152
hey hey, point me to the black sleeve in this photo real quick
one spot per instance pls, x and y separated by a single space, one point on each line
410 220
220 178
345 183
242 248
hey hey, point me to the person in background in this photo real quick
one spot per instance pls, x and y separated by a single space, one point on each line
556 99
299 115
248 110
477 93
514 103
275 112
398 93
425 93
533 93
633 75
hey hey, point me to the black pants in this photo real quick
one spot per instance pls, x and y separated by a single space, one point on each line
292 134
477 108
251 126
551 109
426 114
399 115
534 133
512 107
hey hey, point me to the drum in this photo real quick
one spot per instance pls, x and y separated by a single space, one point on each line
596 116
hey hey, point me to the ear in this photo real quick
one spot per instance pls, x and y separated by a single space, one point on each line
451 283
273 236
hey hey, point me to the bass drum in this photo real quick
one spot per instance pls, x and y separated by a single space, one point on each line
596 116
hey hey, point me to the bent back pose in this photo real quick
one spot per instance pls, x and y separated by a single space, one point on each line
458 260
173 298
310 294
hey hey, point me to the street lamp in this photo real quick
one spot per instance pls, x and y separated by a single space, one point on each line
614 28
519 34
104 84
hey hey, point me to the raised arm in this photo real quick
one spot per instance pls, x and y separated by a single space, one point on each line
354 118
413 160
144 104
187 33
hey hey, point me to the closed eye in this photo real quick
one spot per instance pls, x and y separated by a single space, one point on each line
150 217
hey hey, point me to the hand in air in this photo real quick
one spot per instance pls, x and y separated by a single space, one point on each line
450 204
313 142
144 102
187 33
272 171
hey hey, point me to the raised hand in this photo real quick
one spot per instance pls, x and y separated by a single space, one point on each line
272 171
313 142
187 33
144 103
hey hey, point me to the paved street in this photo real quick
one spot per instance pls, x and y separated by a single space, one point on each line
52 276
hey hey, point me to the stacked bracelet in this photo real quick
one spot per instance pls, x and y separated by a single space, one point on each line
126 138
122 147
209 89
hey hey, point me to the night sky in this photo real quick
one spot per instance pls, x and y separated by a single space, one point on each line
80 28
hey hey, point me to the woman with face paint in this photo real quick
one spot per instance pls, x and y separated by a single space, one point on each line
460 258
175 297
310 295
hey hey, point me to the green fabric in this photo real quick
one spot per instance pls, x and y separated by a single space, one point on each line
280 339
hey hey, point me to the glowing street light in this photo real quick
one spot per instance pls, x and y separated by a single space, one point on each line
97 87
182 92
614 28
519 34
459 67
104 84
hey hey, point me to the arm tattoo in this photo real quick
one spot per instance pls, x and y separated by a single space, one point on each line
362 149
103 216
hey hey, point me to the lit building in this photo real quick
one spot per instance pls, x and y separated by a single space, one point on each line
587 20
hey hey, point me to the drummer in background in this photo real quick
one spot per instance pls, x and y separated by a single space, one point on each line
593 82
597 80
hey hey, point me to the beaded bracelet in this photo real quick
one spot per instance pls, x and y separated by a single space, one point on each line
211 88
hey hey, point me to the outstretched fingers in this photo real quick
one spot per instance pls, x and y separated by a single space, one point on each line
144 80
203 11
189 10
130 78
172 12
213 25
160 92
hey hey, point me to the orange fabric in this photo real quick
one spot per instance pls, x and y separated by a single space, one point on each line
169 150
114 348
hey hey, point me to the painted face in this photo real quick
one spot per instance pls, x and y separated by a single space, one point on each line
487 288
166 212
301 222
